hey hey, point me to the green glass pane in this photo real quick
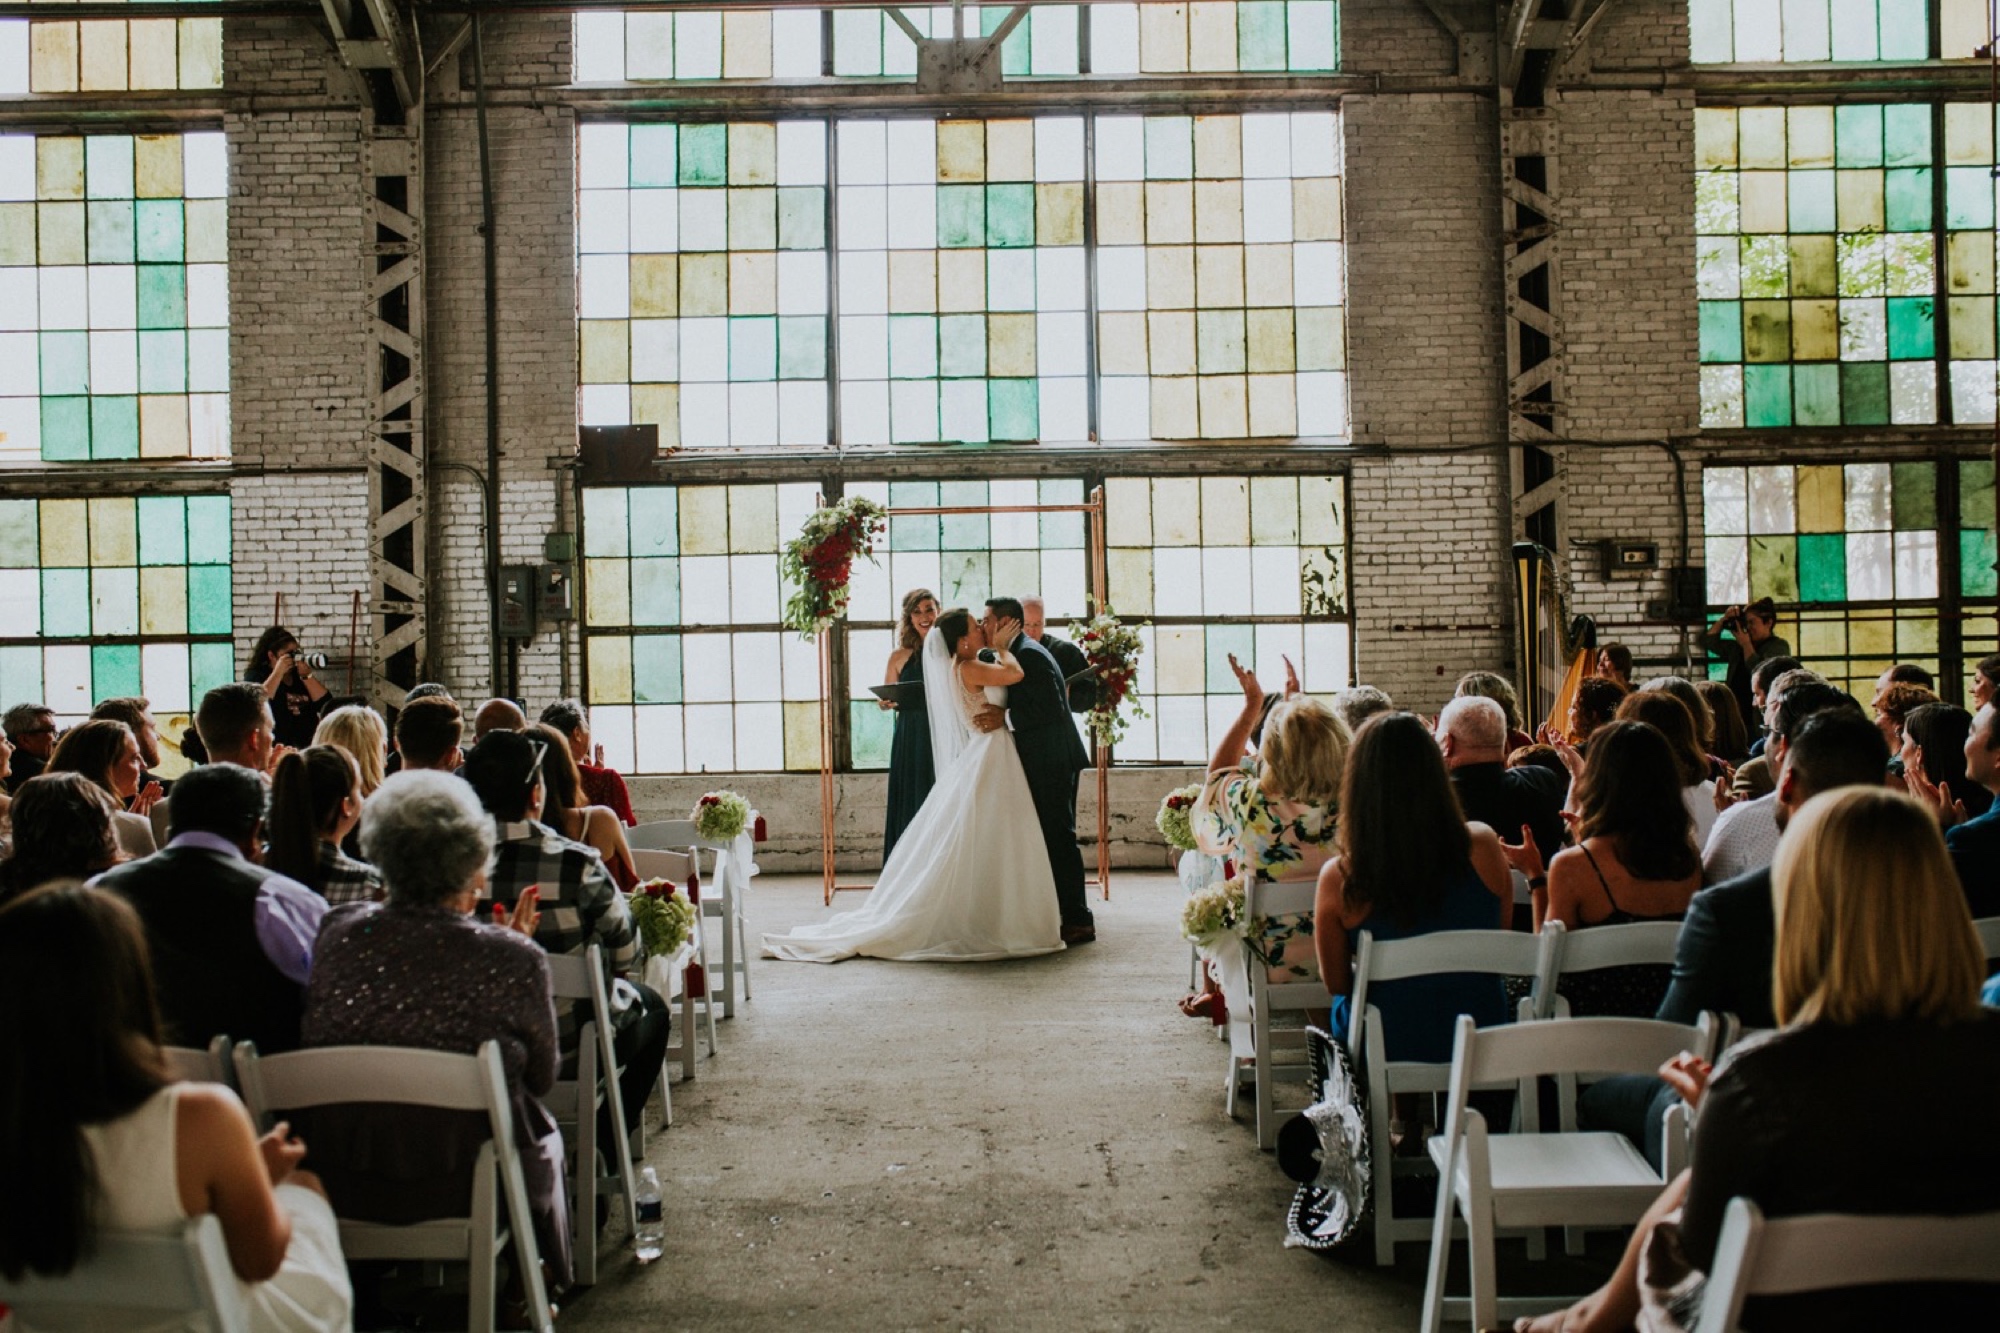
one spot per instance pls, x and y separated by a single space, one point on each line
1823 567
65 363
914 532
1906 199
108 231
1976 558
869 732
208 600
209 665
163 361
1010 216
114 427
1809 197
704 154
655 516
801 218
656 669
1968 198
20 535
802 347
1857 136
1906 132
208 529
961 346
1905 31
1767 397
114 670
1260 35
114 601
1975 493
162 530
1913 496
961 216
66 603
160 226
1864 393
653 160
65 429
1221 641
21 672
656 597
162 296
962 532
1816 395
965 578
1722 331
1012 409
1774 564
1912 332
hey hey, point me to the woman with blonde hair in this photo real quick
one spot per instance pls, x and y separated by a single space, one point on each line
359 730
1876 987
912 768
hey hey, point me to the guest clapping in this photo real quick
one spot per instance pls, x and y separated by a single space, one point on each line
107 753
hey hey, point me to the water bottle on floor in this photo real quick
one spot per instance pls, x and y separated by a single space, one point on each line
650 1238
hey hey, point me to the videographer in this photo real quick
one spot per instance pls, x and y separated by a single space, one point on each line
286 675
1750 642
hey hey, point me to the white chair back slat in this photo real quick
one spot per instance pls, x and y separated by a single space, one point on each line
186 1273
1586 1046
211 1065
1594 948
333 1075
664 835
658 863
1281 899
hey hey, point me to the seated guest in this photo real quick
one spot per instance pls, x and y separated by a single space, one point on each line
100 1135
1745 836
108 754
1891 706
1668 715
1409 864
63 829
423 969
359 730
1762 677
1680 687
137 713
31 730
1906 673
427 690
1634 859
6 800
1614 663
1974 843
232 941
498 715
1757 775
1472 734
1985 681
1489 685
1878 974
1541 756
315 804
601 785
427 735
1595 703
1934 760
1731 742
564 809
580 906
236 727
1356 705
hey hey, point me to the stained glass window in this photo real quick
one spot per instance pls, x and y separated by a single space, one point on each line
963 559
687 666
114 297
1255 566
1250 37
702 281
614 47
1976 553
1771 31
114 595
1969 239
962 282
1220 276
109 55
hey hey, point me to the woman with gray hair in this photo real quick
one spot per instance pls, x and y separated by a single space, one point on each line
422 970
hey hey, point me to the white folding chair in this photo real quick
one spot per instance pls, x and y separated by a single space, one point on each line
1595 948
721 897
340 1075
1828 1251
1533 1179
193 1065
677 867
575 1103
185 1275
1494 953
1989 935
1279 1052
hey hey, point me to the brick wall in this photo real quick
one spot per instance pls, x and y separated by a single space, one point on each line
302 535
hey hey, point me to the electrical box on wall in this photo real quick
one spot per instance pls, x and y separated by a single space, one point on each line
517 601
1629 557
552 595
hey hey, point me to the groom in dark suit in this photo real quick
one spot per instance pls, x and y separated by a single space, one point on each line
1052 755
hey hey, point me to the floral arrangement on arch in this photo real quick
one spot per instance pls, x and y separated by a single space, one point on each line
720 816
663 915
1112 648
820 561
1175 819
1214 914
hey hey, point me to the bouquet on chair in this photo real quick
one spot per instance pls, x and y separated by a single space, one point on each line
720 816
1214 914
1175 819
663 915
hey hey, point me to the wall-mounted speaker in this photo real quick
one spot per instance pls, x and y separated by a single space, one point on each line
617 453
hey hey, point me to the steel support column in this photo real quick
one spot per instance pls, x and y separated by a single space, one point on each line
396 447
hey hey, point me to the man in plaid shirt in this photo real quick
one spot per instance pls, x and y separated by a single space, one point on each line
579 904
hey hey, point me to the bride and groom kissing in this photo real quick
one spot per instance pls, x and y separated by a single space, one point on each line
989 867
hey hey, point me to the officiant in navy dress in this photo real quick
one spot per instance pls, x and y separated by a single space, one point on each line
912 772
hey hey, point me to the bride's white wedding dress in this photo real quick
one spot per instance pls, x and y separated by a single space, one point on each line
969 880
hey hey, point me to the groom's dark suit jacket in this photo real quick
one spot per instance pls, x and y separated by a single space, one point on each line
1039 709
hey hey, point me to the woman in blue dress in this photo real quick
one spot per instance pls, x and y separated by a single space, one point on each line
911 769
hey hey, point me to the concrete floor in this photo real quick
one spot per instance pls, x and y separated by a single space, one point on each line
1026 1145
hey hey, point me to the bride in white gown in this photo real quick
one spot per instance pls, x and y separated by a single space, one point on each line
969 880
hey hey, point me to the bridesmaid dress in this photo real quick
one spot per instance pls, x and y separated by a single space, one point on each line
912 771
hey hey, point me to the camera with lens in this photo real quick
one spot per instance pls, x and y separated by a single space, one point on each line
316 661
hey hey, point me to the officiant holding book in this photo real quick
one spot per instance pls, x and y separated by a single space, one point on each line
912 772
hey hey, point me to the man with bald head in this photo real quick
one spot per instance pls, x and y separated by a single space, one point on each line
1035 624
1472 732
498 715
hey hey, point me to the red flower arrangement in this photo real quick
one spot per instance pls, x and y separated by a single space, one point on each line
820 560
1112 648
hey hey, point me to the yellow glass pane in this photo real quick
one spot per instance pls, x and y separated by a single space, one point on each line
1218 211
114 530
1764 201
753 216
746 54
163 600
1218 276
1010 346
156 166
59 233
961 280
1267 275
1809 137
1871 638
1173 409
1169 212
1815 330
1225 511
1170 277
609 661
207 231
704 285
58 167
163 425
1225 406
1969 261
753 150
655 286
961 150
607 592
704 521
201 53
52 58
1268 335
1059 213
1316 208
1322 340
1274 511
1714 139
1163 39
1121 213
1010 150
912 281
1971 328
1274 405
1183 666
753 519
1177 511
606 351
1131 580
1762 137
1128 512
155 53
1212 35
1968 134
1821 500
1121 342
17 234
753 283
1858 200
1218 140
103 57
1322 511
65 534
659 405
801 735
1170 342
1821 640
1917 637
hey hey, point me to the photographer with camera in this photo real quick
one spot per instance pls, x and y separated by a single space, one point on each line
1750 642
286 675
